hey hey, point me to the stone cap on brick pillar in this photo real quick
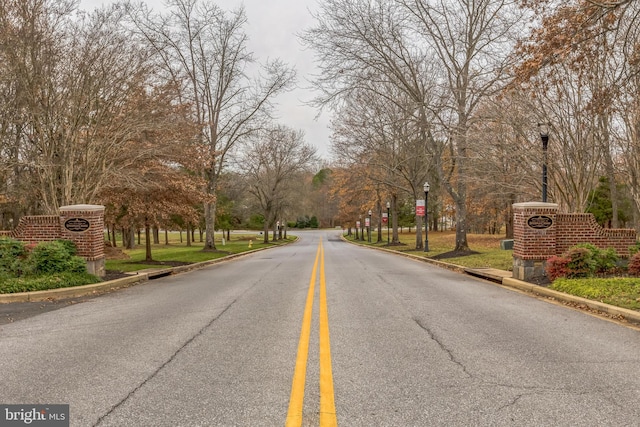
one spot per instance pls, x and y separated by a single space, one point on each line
82 208
535 205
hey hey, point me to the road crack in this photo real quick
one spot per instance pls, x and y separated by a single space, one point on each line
443 347
161 367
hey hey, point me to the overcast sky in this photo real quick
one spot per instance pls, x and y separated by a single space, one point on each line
272 28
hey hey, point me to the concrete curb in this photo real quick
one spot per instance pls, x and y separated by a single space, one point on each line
73 292
630 315
510 282
111 285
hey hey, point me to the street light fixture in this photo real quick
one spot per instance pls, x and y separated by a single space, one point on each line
369 231
544 136
426 223
388 221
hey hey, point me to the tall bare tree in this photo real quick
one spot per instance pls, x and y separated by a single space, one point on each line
273 160
444 56
70 81
203 49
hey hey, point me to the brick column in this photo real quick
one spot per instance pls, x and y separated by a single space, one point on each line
84 225
534 233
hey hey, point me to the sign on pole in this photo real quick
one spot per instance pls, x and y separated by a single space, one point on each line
366 222
420 207
384 218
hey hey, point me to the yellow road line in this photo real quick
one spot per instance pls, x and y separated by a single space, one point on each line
327 402
294 414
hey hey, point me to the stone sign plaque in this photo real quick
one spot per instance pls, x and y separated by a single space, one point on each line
77 225
540 222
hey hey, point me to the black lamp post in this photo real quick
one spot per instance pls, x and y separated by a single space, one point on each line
544 136
426 222
361 229
388 221
369 231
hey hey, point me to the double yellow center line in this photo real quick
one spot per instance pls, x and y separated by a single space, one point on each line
327 403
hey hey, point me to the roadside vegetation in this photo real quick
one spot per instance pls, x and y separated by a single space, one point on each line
584 271
178 252
52 265
47 265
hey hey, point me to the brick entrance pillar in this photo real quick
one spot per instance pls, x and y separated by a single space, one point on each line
534 233
84 225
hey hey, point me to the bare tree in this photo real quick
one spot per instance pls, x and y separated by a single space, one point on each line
445 57
271 162
203 50
471 42
73 80
386 139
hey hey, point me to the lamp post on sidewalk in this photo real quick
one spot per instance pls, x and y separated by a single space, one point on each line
426 222
388 221
369 231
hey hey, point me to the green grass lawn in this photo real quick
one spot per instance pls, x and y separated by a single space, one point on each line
487 247
178 251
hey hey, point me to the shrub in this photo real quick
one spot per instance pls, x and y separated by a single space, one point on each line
557 266
12 255
581 262
634 265
70 246
54 257
50 281
605 259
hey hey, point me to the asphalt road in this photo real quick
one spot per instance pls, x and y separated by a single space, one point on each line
410 345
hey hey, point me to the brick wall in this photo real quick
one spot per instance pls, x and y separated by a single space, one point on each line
34 229
580 228
533 246
89 241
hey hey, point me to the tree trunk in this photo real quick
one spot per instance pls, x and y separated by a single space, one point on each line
156 235
209 218
147 238
113 235
166 237
462 245
188 235
265 232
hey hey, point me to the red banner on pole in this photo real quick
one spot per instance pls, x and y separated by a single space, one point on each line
420 207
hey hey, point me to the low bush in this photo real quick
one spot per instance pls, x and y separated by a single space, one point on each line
606 260
581 262
49 281
634 265
12 256
55 257
557 266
